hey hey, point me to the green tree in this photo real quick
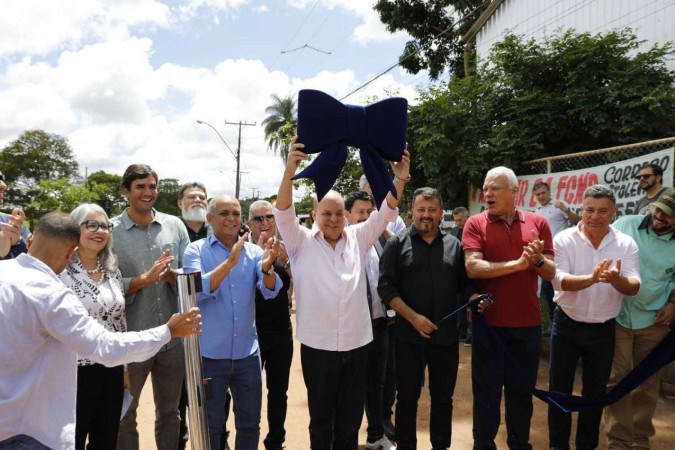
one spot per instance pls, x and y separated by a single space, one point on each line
107 190
167 197
280 124
347 182
35 156
530 99
436 27
58 195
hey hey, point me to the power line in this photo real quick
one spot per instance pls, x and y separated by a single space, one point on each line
410 55
302 23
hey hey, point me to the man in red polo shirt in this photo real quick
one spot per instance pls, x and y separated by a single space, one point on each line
506 249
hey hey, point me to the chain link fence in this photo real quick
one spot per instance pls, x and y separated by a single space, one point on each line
593 158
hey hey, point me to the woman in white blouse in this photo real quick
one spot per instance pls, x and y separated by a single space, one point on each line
94 277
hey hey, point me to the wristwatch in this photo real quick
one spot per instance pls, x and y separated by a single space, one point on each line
287 265
540 263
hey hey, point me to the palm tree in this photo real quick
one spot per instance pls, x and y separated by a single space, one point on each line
280 124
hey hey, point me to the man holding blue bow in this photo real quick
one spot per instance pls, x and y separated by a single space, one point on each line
333 321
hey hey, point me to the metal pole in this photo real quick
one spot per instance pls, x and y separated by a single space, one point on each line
188 286
238 155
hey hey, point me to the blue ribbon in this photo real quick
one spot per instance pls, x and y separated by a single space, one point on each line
327 126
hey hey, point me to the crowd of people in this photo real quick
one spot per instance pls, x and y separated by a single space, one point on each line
88 306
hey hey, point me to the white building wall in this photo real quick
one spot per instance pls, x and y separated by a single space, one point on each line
652 20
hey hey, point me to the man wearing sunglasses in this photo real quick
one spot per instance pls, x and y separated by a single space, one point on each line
273 322
649 178
13 232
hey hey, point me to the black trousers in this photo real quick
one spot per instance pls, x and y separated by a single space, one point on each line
336 390
378 351
442 362
276 355
100 391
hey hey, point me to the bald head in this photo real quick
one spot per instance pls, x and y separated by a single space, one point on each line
328 214
224 216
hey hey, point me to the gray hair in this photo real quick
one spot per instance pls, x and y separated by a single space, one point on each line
106 255
211 207
258 204
428 193
504 171
461 210
600 191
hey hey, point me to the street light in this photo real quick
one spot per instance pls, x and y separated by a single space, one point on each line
237 156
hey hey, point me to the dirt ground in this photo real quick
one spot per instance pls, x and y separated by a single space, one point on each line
297 437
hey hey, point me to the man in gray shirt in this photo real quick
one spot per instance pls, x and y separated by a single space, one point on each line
150 246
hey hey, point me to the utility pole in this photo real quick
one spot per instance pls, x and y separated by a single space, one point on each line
238 155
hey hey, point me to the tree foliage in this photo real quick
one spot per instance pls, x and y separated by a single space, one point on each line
280 124
58 195
33 157
530 99
436 27
167 196
107 191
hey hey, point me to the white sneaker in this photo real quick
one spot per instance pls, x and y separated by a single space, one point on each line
381 444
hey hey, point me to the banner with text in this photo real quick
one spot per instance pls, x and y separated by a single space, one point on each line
569 186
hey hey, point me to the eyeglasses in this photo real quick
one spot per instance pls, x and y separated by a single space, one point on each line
647 175
94 226
2 177
259 219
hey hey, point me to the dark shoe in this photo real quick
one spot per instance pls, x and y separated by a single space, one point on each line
467 343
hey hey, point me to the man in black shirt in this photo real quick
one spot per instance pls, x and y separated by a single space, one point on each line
192 200
273 322
421 273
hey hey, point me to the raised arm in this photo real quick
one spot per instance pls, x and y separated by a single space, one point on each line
401 177
295 156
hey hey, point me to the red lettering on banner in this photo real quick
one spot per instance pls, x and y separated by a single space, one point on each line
571 185
523 186
562 184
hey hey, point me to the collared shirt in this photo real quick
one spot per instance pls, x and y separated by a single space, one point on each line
427 277
373 279
516 297
657 269
228 313
576 255
557 219
330 286
137 249
103 300
203 232
44 326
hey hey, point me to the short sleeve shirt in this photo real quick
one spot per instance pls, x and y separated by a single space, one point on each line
516 300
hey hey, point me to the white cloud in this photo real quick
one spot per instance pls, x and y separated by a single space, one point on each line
116 108
261 9
40 27
371 29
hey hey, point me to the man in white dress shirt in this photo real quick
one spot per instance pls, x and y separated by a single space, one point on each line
44 327
596 266
333 321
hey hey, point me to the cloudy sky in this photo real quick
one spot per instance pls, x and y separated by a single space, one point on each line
126 80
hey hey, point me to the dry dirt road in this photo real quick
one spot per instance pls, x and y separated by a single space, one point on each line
297 437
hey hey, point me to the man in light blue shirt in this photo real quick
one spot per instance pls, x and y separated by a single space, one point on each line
643 321
231 270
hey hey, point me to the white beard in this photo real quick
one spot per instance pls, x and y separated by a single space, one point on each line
196 213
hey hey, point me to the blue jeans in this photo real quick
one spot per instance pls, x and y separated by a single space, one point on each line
489 377
244 378
22 442
594 344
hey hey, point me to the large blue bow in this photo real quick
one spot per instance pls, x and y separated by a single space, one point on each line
325 125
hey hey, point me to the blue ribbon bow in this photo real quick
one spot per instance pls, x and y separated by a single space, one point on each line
327 126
